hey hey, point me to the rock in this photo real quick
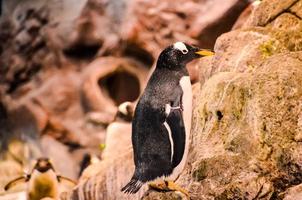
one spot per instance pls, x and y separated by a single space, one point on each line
163 196
286 21
196 24
27 119
118 136
296 9
106 178
147 27
10 170
15 195
279 36
29 115
112 81
47 198
245 15
24 47
234 129
60 156
100 118
59 95
266 13
210 25
294 193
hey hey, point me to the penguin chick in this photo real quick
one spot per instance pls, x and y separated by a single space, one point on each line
41 182
162 119
124 112
118 133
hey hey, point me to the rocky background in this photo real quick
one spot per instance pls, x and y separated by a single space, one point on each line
65 67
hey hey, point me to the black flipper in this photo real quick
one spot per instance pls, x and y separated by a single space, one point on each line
176 124
62 178
21 179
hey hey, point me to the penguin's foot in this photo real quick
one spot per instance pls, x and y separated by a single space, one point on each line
158 185
174 187
168 186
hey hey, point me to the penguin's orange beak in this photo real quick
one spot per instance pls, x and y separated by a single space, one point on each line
204 52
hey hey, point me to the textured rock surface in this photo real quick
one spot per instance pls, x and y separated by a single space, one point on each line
294 193
243 135
246 134
105 179
148 26
60 157
111 81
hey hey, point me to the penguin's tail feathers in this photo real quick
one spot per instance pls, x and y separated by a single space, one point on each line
133 186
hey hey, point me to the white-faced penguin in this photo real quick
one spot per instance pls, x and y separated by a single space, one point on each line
42 182
162 121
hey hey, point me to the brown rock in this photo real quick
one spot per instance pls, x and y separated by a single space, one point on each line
112 81
232 127
287 21
8 171
202 23
40 116
14 195
243 56
244 16
147 26
296 9
99 118
294 193
118 137
151 195
60 157
105 179
267 13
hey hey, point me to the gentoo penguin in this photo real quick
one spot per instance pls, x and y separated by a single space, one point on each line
42 182
162 120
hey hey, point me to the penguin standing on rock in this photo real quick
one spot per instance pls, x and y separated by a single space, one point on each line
43 181
162 121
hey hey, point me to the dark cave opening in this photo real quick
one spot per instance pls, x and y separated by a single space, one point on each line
120 86
82 51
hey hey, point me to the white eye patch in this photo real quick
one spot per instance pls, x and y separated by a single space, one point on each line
181 46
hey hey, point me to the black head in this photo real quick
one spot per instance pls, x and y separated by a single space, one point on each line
179 54
43 165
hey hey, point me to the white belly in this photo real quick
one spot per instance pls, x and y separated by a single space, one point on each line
186 86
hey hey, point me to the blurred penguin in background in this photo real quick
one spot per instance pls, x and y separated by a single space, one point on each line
119 131
42 182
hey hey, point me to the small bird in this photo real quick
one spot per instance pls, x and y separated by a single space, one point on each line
42 182
162 121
